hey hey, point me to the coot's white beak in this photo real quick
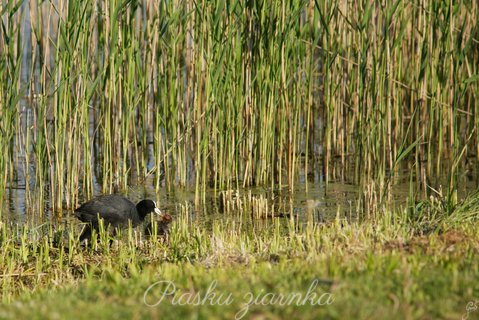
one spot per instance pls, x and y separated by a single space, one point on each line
157 210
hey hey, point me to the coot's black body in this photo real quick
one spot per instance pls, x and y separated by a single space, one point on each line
116 212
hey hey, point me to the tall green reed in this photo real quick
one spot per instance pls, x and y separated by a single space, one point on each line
11 91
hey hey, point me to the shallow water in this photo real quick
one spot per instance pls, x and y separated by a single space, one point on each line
318 203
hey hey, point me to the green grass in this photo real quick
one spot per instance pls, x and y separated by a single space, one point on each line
391 285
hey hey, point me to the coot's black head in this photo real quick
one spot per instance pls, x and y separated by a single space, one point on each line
145 207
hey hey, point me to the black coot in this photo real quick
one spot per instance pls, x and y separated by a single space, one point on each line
116 212
162 227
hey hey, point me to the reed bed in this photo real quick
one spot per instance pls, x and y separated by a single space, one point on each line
226 95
